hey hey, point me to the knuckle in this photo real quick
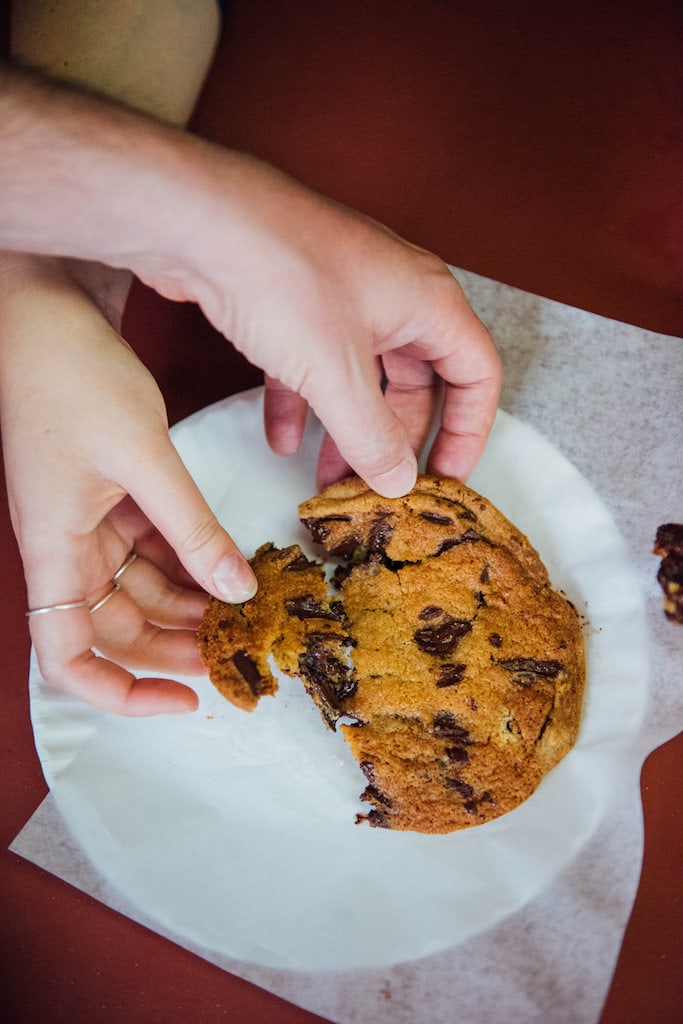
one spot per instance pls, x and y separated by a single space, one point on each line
202 534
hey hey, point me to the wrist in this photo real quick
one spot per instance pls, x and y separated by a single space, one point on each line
83 177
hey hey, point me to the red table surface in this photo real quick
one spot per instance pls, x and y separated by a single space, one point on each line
536 144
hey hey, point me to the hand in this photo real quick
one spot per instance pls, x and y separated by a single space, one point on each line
371 332
326 302
92 474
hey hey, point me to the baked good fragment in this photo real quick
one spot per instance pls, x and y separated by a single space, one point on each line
452 668
669 547
291 618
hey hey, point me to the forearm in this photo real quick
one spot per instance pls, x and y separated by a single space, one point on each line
79 176
77 172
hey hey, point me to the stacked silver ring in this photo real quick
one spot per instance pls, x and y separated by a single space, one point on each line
83 602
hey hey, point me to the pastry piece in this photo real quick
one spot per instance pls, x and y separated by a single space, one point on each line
291 618
669 546
469 669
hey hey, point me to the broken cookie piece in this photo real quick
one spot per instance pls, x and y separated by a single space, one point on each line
290 608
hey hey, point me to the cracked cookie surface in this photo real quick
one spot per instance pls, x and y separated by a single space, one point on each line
467 672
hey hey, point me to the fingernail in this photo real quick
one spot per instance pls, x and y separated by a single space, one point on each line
397 481
234 579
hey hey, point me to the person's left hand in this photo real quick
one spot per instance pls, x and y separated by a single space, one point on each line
92 475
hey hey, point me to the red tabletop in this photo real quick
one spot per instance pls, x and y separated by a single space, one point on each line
536 144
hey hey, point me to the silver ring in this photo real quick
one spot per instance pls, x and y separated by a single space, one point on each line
130 558
66 607
103 600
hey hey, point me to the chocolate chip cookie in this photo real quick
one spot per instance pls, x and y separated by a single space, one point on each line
453 669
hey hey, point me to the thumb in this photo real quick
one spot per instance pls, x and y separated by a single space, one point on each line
164 490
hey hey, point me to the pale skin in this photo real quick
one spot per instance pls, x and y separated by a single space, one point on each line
325 301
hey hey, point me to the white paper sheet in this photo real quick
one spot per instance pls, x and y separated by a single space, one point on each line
557 358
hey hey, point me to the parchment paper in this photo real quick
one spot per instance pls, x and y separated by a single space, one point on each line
541 888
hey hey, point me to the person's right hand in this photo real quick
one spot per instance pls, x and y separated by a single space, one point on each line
373 333
326 302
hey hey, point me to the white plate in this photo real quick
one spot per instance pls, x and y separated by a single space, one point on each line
235 833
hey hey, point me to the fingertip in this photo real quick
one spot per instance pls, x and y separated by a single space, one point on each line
284 435
148 697
184 702
396 482
233 579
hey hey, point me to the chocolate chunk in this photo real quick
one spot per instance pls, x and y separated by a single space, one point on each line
451 675
340 574
436 517
309 607
246 666
350 548
457 754
322 669
532 666
432 611
468 537
372 795
463 788
495 639
442 639
380 533
485 574
319 529
445 725
525 671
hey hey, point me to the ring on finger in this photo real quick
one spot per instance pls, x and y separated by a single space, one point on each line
126 564
65 607
103 600
115 585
